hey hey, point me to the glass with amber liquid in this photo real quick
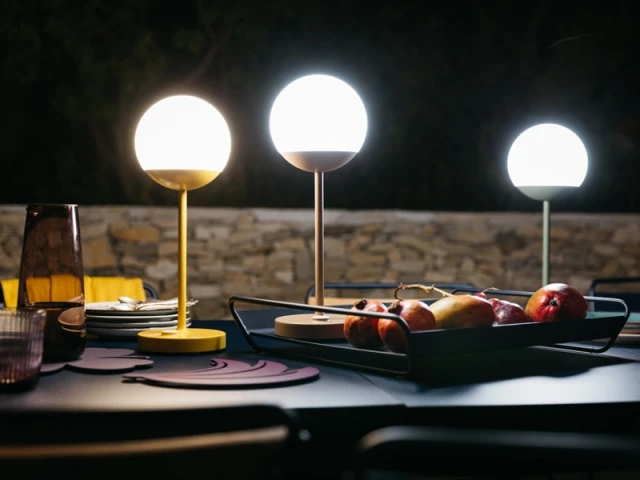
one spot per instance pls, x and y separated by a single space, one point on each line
52 278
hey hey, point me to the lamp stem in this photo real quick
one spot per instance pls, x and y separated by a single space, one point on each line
182 261
319 243
546 214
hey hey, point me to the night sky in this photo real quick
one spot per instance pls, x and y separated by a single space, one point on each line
447 87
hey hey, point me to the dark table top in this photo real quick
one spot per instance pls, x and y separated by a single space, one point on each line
526 378
530 376
72 390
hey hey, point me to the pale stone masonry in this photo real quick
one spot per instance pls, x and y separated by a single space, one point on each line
269 253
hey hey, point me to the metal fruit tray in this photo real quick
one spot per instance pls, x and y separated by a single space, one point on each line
423 348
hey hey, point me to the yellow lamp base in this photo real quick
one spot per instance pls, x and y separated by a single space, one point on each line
188 340
304 326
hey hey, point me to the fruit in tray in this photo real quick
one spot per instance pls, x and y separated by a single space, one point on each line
361 331
556 302
551 303
508 313
418 317
463 311
457 311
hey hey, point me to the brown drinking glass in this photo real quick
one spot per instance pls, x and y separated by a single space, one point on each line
52 278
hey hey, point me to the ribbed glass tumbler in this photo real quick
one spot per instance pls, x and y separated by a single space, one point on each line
21 344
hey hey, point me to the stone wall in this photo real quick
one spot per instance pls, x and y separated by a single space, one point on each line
269 253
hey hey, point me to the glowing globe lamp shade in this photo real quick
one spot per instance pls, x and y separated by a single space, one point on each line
547 159
318 123
182 142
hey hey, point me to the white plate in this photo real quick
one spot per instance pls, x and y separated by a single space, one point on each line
124 332
129 318
169 323
104 308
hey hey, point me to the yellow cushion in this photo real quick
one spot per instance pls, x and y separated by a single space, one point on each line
108 289
10 292
65 287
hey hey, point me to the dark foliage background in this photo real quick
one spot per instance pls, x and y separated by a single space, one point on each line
447 86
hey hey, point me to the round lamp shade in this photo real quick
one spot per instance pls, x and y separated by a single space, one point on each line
547 159
182 142
318 123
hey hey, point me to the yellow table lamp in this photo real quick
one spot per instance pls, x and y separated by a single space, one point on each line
183 143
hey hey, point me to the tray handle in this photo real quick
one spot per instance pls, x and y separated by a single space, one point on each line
317 308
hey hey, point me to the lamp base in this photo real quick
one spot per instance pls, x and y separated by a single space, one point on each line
304 326
188 340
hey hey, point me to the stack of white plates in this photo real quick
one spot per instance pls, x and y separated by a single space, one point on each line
103 320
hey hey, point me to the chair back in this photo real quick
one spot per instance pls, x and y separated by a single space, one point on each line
420 452
236 442
626 289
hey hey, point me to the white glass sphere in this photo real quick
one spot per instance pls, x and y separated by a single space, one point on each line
182 134
547 155
318 123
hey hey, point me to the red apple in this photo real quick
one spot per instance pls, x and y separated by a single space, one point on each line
556 302
481 295
508 313
360 331
417 315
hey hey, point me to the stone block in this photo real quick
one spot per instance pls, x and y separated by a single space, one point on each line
304 266
359 242
161 269
467 265
127 271
293 244
411 241
380 247
166 249
626 235
12 245
409 254
93 230
333 247
254 263
441 276
359 274
238 238
164 219
170 233
394 255
407 266
205 291
285 276
366 259
97 253
136 234
210 269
